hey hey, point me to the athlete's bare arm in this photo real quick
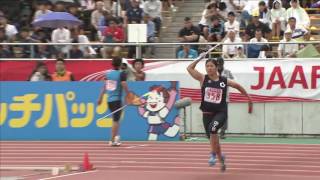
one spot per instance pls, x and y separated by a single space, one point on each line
194 73
237 86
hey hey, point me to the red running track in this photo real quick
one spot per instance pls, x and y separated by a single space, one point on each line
163 160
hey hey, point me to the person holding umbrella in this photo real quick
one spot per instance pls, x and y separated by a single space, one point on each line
61 22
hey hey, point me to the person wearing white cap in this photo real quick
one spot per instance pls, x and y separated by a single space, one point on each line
288 50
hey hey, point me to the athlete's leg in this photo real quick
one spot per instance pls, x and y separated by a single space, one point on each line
216 123
115 124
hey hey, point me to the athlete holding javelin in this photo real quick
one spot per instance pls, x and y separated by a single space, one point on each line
213 104
115 81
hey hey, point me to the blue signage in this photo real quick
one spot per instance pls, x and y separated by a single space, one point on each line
69 111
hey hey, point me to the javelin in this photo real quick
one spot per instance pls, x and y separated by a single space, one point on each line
203 55
119 109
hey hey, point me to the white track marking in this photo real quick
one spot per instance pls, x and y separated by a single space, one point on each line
67 175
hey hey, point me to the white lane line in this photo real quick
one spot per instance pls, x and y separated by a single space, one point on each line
135 146
230 155
161 143
67 175
148 148
155 162
35 174
151 152
170 159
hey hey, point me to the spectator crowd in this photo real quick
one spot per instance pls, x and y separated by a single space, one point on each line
236 21
228 21
103 21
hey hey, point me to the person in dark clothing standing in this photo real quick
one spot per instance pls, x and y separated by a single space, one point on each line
213 104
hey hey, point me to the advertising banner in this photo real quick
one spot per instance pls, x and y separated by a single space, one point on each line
69 111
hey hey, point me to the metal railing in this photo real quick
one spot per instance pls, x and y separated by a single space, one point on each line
163 43
140 45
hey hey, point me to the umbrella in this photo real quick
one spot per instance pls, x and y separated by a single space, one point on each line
56 20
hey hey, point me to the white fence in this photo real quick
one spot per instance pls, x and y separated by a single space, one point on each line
294 118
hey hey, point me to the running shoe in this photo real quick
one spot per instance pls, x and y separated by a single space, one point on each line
212 161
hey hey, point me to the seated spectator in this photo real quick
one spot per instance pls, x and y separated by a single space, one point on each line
253 50
75 52
77 36
44 51
235 6
223 12
61 35
232 24
113 34
216 30
150 28
134 13
206 19
119 9
108 5
150 34
18 52
240 53
10 30
87 5
42 9
4 39
3 36
24 37
256 24
278 19
187 53
230 51
97 16
40 73
168 4
189 33
40 34
263 12
74 10
265 52
59 6
215 11
5 53
61 74
258 37
247 11
153 8
103 24
299 33
288 50
302 17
